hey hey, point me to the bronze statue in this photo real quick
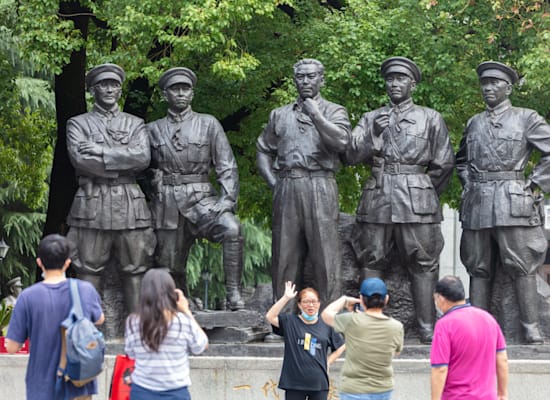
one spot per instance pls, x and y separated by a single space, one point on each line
14 287
501 210
298 155
109 219
409 151
185 147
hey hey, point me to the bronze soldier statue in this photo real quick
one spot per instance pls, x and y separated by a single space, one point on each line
298 155
412 160
185 147
14 290
501 209
109 219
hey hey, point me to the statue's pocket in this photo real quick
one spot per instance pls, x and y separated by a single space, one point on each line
423 197
85 207
198 151
521 203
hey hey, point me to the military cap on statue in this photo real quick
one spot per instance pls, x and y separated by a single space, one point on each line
494 69
16 282
401 65
177 75
104 71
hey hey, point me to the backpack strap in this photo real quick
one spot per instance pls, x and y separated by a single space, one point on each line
75 298
74 313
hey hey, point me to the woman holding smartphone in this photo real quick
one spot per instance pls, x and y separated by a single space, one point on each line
159 337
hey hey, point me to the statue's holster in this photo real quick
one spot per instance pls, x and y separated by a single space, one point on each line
378 171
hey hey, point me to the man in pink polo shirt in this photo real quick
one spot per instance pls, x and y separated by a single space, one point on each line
468 354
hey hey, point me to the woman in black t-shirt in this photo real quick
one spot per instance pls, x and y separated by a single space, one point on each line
304 374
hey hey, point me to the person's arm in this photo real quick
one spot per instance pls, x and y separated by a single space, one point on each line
336 354
100 320
502 375
183 307
334 134
263 163
12 346
272 315
336 306
439 377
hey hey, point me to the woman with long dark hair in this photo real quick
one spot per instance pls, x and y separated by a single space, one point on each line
159 337
304 374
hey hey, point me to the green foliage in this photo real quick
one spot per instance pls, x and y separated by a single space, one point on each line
243 52
22 230
5 315
36 94
26 137
447 40
207 256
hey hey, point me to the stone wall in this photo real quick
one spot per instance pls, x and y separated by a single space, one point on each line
251 378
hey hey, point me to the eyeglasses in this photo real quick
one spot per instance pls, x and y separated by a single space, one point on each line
309 302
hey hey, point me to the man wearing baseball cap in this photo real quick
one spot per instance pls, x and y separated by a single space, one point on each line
501 210
186 147
412 160
372 340
109 220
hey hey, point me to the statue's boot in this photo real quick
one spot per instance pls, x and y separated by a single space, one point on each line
233 266
131 286
423 285
480 292
526 293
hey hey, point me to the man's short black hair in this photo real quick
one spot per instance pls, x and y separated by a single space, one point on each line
374 301
53 251
451 288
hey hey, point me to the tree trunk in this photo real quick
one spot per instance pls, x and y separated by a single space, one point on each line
70 100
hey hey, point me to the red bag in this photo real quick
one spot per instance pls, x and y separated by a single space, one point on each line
120 382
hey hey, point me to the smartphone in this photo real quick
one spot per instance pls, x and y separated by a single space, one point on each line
358 307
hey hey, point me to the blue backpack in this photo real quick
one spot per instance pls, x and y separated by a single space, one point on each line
83 346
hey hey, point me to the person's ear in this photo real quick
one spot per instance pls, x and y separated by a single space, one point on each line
66 264
387 299
508 89
413 86
40 265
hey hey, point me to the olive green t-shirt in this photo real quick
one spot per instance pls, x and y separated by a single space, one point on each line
371 343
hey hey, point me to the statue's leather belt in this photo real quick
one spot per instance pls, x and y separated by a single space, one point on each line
183 179
304 173
121 180
397 169
483 176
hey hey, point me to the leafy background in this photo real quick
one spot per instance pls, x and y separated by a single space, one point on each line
242 52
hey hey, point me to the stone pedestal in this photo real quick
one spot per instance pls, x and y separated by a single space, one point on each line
242 326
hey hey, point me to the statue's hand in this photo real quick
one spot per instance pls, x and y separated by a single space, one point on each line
90 148
222 206
311 108
381 122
